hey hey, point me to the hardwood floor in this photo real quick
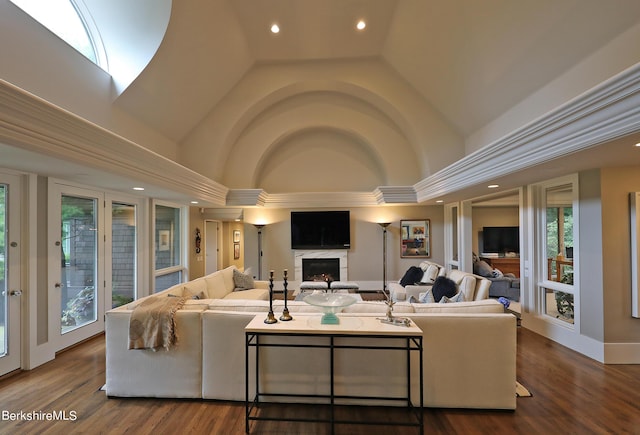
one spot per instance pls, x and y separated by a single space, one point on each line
571 395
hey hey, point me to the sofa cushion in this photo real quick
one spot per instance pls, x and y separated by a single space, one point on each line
482 306
378 307
227 275
196 289
443 286
216 288
242 281
466 283
258 294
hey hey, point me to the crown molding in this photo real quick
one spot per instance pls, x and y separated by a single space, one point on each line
608 111
395 195
320 200
246 197
33 124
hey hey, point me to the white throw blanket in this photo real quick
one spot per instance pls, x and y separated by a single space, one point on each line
152 324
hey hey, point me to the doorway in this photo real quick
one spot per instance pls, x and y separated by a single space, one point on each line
211 246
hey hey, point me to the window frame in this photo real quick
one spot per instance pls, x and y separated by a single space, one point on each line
543 283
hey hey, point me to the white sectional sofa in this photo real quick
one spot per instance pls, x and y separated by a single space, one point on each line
469 353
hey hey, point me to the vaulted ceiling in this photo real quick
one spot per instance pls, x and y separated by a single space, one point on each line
324 107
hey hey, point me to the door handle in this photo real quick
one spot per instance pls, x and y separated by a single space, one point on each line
15 292
57 285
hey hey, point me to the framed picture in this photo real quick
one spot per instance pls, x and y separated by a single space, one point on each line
164 240
415 238
236 251
236 236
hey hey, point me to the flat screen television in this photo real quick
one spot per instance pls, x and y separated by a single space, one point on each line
501 239
320 230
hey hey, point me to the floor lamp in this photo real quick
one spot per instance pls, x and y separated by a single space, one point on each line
259 228
384 226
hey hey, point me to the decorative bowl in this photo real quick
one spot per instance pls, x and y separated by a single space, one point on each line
330 304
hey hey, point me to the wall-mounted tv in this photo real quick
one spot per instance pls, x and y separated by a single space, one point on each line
320 230
501 239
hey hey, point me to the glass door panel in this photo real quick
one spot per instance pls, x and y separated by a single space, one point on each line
79 305
10 272
4 293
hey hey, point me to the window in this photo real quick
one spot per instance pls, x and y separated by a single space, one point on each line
558 262
70 21
169 256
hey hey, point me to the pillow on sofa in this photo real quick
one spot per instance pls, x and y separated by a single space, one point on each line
482 268
443 286
411 276
426 297
459 297
242 281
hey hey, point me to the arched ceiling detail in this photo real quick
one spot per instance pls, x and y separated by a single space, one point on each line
372 90
362 128
319 160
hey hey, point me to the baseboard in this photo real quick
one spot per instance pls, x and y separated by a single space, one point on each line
622 353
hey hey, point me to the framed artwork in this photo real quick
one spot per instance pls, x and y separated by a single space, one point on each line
236 251
415 238
236 236
164 240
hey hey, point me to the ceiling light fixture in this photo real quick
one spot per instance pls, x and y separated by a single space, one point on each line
194 202
493 186
138 188
360 25
275 28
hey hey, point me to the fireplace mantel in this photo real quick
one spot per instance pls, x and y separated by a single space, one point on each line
340 254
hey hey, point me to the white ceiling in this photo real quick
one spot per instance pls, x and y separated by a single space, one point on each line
469 60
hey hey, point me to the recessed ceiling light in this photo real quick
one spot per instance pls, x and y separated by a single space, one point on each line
440 201
194 202
138 188
360 25
493 186
275 28
638 144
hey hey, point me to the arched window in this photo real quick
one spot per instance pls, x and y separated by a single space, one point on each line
70 21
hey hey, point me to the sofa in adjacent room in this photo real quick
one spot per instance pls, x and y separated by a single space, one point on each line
502 285
469 351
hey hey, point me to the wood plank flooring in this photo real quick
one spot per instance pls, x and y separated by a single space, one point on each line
572 394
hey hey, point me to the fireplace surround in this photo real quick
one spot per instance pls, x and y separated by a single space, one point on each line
322 254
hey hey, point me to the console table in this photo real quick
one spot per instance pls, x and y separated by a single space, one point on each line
312 334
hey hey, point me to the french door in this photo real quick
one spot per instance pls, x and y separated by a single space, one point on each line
76 264
10 272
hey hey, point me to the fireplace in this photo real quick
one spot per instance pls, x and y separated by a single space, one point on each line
320 269
321 254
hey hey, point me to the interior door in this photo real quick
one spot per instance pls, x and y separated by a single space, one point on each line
76 248
211 246
10 291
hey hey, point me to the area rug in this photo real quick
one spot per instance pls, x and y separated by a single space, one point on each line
522 391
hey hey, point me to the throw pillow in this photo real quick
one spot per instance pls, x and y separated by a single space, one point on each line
482 268
426 297
242 281
456 298
443 286
412 275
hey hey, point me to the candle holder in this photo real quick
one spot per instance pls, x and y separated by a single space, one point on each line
271 318
285 313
